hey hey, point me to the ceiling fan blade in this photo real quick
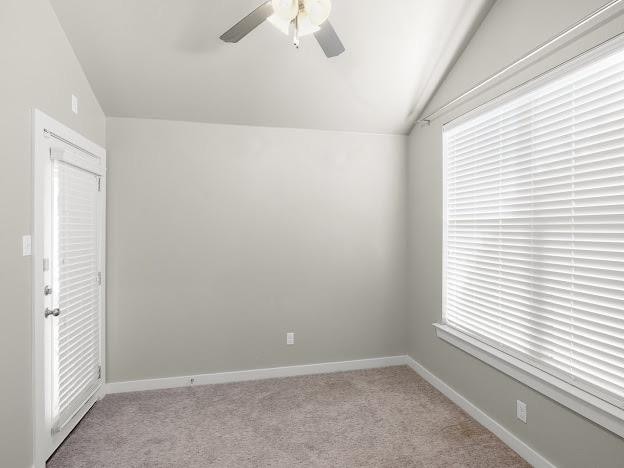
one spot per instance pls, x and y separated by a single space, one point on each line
248 23
329 40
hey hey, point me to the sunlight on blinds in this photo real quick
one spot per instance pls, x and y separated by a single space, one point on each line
534 225
75 340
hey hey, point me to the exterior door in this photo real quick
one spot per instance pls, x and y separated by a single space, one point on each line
69 315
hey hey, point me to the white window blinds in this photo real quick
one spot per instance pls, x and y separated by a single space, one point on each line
534 224
75 289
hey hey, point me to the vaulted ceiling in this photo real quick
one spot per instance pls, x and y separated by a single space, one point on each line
163 59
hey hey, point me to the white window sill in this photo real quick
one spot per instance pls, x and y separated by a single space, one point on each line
593 408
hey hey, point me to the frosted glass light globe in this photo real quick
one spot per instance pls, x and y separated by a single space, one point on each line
317 10
305 25
286 9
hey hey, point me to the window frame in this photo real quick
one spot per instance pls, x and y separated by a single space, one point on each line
583 402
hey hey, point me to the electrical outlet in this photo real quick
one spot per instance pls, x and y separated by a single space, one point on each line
74 104
192 381
521 411
290 338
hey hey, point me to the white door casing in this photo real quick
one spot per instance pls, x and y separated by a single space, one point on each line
69 260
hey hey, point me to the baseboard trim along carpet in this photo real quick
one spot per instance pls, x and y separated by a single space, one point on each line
526 452
522 449
254 374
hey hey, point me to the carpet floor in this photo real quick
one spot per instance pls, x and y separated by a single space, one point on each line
387 417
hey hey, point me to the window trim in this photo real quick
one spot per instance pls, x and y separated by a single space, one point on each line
594 408
584 403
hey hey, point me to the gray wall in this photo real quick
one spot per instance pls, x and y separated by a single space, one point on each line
563 437
223 238
38 70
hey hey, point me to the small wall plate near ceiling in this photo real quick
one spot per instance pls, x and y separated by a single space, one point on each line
297 17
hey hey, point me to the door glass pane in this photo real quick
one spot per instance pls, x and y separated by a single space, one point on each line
76 331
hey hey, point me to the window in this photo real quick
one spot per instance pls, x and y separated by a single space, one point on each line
534 225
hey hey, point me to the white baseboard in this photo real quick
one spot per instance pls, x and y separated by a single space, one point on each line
522 449
254 374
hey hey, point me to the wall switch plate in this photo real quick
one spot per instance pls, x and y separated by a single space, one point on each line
74 104
26 245
521 411
290 338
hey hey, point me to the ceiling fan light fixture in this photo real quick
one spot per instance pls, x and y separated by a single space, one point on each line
308 15
301 17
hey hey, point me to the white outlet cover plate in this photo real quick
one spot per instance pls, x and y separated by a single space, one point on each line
521 411
26 245
290 338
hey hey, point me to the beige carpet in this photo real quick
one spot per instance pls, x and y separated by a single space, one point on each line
379 418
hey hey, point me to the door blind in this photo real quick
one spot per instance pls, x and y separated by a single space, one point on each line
76 331
534 225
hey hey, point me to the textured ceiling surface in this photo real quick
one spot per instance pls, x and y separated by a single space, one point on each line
163 59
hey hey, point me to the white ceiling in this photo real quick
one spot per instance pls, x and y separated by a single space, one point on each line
163 59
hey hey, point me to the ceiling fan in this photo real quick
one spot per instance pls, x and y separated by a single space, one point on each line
301 17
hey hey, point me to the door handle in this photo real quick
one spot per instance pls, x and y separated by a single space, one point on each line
54 312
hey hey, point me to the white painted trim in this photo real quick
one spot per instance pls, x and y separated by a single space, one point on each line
253 374
584 403
513 441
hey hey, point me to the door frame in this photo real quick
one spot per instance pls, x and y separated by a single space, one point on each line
43 128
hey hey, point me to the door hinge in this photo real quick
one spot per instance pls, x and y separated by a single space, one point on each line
99 278
99 184
99 372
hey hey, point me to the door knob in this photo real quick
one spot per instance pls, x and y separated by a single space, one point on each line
54 312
